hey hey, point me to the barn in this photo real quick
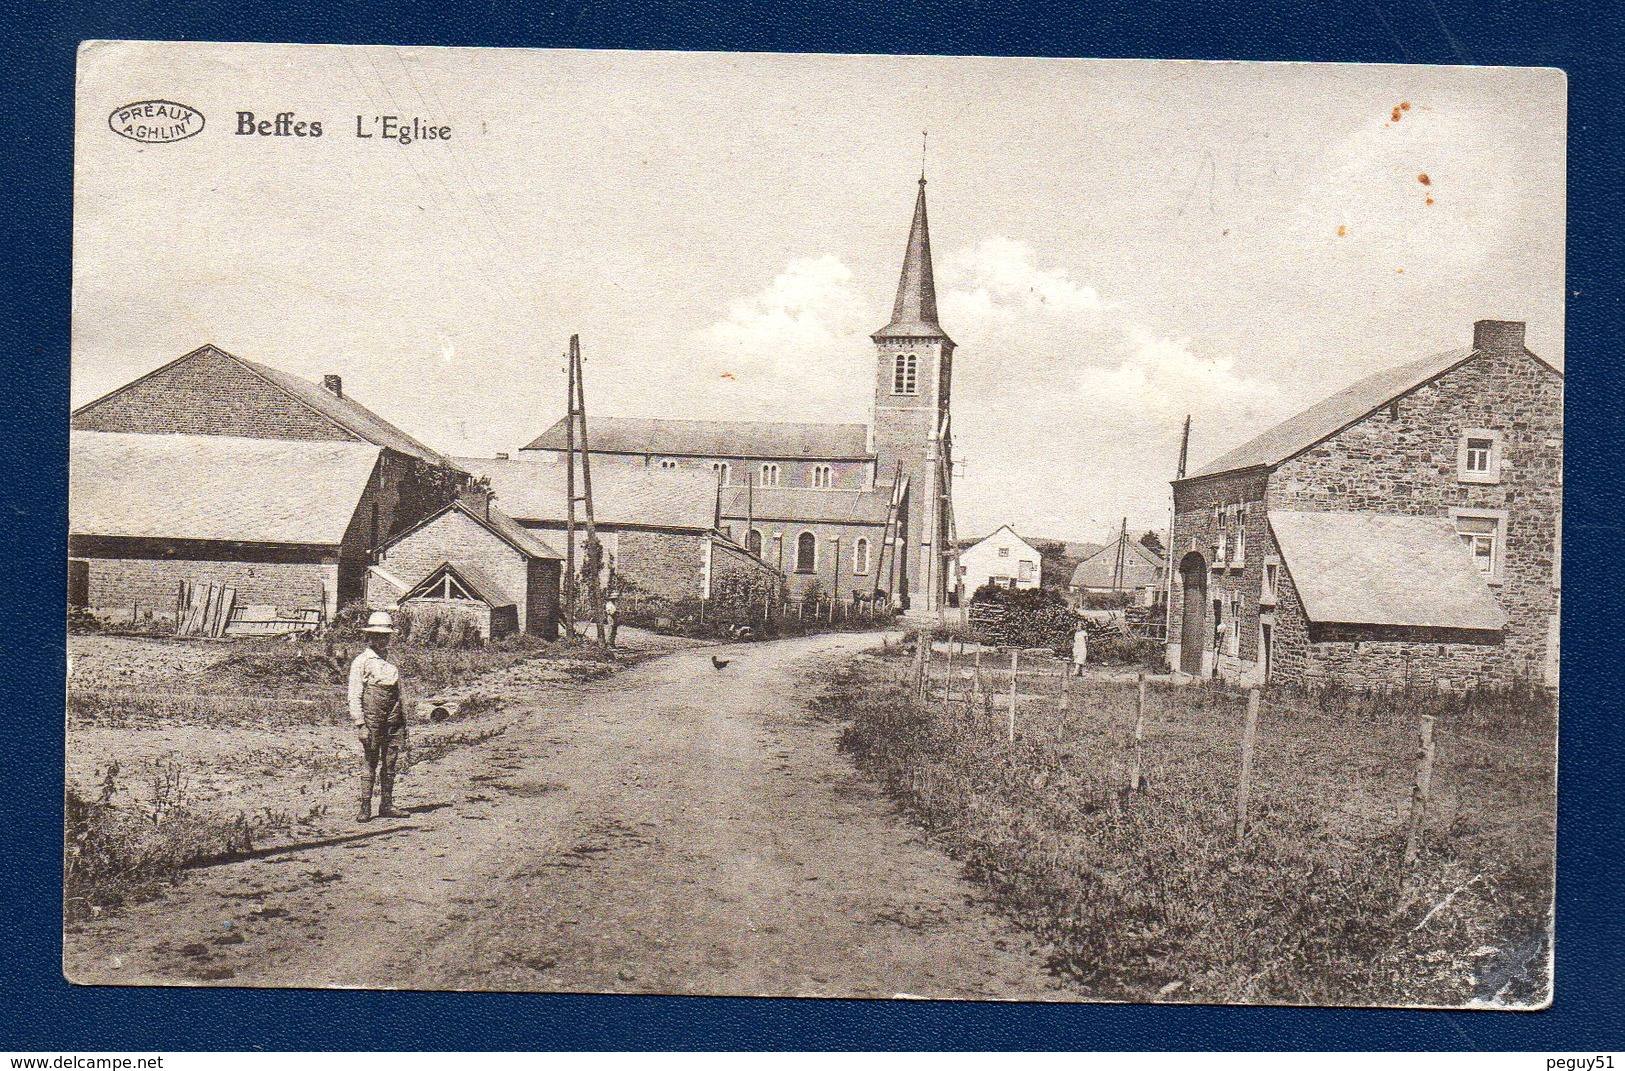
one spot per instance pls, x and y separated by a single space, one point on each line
472 562
282 522
1123 565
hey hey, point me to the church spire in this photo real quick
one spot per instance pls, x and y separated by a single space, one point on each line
914 315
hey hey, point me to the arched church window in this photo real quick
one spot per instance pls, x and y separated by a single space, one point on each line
770 475
721 469
821 475
753 542
860 557
668 463
905 374
806 553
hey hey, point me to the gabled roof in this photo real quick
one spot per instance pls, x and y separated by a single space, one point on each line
1329 416
996 531
476 580
806 505
494 521
1381 569
348 414
716 438
215 487
914 313
1141 567
533 491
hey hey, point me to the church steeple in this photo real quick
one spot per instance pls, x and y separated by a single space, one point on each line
914 315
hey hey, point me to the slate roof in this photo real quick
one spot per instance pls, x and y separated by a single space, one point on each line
807 505
914 314
1326 418
716 438
532 491
215 487
1381 569
479 583
348 413
494 521
1141 568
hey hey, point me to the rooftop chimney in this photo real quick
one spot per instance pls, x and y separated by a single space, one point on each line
336 384
1498 336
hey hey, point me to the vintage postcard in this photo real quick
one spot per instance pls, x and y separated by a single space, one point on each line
824 526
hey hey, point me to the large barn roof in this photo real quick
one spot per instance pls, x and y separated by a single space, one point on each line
492 520
215 487
534 491
1140 567
807 505
716 438
1381 569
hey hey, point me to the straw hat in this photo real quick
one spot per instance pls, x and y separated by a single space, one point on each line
379 621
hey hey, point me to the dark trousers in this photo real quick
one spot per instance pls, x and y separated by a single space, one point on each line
613 626
378 762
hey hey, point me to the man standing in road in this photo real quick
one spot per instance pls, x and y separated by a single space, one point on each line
378 714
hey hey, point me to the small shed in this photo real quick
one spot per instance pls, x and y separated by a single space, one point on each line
471 554
462 591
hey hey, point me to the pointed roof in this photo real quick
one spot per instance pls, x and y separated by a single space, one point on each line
915 313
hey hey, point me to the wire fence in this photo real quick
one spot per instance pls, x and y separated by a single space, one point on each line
1404 764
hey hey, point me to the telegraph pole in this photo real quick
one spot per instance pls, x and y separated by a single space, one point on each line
592 553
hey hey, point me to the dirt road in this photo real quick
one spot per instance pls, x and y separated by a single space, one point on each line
673 829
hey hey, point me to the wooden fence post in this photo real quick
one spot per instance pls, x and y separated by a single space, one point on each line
1421 790
1244 788
948 684
1139 735
1015 662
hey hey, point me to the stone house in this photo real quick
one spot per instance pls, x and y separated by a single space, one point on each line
475 561
659 530
850 507
1002 557
1123 565
209 393
1404 531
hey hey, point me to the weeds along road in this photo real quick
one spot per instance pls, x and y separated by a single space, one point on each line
672 829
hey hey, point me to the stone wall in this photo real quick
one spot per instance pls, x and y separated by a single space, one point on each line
1197 529
668 564
208 393
139 573
731 562
835 564
456 537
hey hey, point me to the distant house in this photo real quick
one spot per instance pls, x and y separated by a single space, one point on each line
1123 565
659 529
1002 558
285 523
475 563
208 395
1406 530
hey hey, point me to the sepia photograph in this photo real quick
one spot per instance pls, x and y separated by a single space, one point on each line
846 526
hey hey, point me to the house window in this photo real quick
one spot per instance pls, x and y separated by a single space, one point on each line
1004 552
905 374
860 557
668 463
1024 572
1478 458
1241 547
721 469
1483 533
806 553
770 475
753 542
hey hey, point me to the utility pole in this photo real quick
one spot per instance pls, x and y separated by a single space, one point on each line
1168 549
592 553
1122 554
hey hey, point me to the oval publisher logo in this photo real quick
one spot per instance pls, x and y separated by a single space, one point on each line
155 122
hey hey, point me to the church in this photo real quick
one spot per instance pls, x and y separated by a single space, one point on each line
846 509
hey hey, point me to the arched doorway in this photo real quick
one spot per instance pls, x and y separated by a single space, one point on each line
1193 623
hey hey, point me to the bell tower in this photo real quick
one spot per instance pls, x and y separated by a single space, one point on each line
914 372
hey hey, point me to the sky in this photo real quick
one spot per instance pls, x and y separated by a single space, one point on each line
1118 243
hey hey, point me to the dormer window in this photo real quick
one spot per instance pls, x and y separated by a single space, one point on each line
905 374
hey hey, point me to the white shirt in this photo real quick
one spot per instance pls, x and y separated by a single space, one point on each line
369 667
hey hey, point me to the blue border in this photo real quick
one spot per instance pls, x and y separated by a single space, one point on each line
41 1011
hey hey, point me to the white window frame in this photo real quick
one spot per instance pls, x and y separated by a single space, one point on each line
1498 550
795 565
1240 558
721 469
1491 473
822 476
1004 552
770 474
1026 571
860 556
1269 585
